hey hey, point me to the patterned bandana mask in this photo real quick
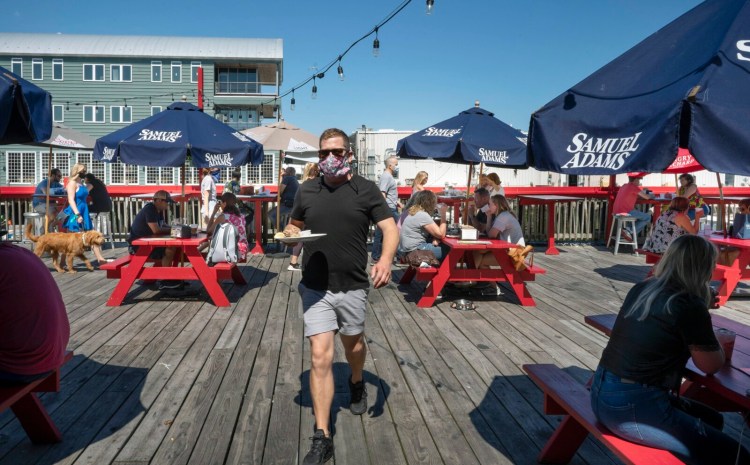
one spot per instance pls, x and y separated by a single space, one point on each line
334 166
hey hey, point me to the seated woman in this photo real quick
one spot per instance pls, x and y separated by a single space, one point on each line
226 211
419 231
672 224
662 323
504 226
689 189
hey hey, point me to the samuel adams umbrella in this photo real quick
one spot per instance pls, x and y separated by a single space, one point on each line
25 110
684 85
166 139
474 136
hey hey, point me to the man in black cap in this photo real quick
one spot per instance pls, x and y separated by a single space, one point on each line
152 220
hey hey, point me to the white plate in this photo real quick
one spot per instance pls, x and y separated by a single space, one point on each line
294 240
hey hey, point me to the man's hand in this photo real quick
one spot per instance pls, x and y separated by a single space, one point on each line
380 273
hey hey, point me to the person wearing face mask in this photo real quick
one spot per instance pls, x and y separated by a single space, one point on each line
77 211
389 189
208 196
335 284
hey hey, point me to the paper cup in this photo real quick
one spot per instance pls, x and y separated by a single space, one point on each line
726 338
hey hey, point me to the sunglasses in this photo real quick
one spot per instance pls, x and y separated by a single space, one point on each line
335 152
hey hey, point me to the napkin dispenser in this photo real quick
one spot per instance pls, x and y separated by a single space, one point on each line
468 233
181 231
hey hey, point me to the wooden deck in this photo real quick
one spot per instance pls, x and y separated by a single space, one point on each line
174 380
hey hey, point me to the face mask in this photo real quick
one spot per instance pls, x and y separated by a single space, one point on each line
334 166
395 171
216 175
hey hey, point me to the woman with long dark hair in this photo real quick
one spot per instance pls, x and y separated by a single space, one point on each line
663 322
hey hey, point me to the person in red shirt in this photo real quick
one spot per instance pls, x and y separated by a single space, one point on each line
625 203
34 327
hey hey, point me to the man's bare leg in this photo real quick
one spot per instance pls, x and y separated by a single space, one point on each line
321 378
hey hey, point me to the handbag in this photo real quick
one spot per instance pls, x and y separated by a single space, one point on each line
518 257
224 245
417 257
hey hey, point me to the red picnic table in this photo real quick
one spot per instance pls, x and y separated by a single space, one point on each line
450 271
550 201
132 267
260 202
735 272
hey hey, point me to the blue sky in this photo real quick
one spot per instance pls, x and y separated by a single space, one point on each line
512 56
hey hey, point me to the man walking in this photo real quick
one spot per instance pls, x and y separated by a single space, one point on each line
389 189
334 286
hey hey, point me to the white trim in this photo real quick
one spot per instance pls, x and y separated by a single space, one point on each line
58 61
121 112
122 73
161 108
158 63
94 66
194 64
13 61
34 63
62 112
94 120
171 71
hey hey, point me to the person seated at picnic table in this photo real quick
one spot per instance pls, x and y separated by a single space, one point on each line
77 218
624 203
419 231
478 210
226 211
34 327
233 186
672 224
420 180
152 220
663 322
689 189
505 227
491 182
39 200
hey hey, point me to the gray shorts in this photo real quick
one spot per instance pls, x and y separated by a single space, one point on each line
325 311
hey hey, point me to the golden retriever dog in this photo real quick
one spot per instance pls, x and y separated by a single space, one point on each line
68 245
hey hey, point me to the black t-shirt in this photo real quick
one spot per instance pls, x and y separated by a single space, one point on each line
148 214
337 262
654 351
290 191
100 201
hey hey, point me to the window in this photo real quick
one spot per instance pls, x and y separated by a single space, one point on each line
156 71
93 72
93 114
58 113
124 174
96 167
37 69
57 69
160 176
194 65
121 73
155 110
237 81
21 167
16 66
176 71
60 160
120 114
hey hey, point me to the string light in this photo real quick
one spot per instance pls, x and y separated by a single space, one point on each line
314 90
376 44
430 4
340 70
291 104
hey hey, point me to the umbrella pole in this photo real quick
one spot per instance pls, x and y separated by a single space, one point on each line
49 175
182 208
278 192
722 224
468 188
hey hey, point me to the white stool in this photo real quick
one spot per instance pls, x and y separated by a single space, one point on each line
102 223
38 220
620 222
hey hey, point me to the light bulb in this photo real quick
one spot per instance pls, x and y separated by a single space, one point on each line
291 104
376 48
340 70
314 92
430 4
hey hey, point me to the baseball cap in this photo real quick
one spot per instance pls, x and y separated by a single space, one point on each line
637 174
163 195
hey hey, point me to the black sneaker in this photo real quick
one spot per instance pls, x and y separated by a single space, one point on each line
358 404
170 284
321 450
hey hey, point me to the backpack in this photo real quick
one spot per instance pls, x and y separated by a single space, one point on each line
223 246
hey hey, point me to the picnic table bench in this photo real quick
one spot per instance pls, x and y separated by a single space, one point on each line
563 395
29 410
222 271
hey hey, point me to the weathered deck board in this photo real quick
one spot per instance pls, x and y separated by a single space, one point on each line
170 379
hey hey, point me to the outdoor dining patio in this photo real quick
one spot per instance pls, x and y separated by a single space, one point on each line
169 378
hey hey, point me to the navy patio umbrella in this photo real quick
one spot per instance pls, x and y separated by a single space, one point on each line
168 137
25 110
684 86
474 136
